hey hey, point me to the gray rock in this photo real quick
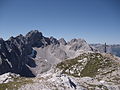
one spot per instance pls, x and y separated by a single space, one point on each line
62 41
77 44
53 41
8 77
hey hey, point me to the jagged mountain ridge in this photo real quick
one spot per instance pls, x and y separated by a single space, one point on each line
24 55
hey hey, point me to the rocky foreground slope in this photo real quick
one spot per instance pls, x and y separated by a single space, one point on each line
89 71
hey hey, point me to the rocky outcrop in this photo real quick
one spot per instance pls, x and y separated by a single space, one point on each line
93 70
36 39
8 77
79 44
14 57
54 41
62 41
5 65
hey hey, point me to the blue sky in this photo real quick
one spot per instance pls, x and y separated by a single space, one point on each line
97 21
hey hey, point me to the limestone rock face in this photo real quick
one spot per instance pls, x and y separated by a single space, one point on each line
53 41
36 39
4 65
13 54
77 44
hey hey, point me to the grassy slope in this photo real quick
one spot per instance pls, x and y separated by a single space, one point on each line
95 61
14 85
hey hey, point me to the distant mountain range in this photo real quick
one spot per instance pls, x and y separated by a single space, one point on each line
113 49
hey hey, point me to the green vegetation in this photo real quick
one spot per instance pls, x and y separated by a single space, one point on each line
95 61
91 67
14 85
69 65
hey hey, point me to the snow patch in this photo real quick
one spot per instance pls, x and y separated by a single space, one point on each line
46 60
102 81
9 63
33 53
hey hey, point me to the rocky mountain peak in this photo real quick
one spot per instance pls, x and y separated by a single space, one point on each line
62 41
34 38
1 39
53 40
79 44
34 33
79 40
